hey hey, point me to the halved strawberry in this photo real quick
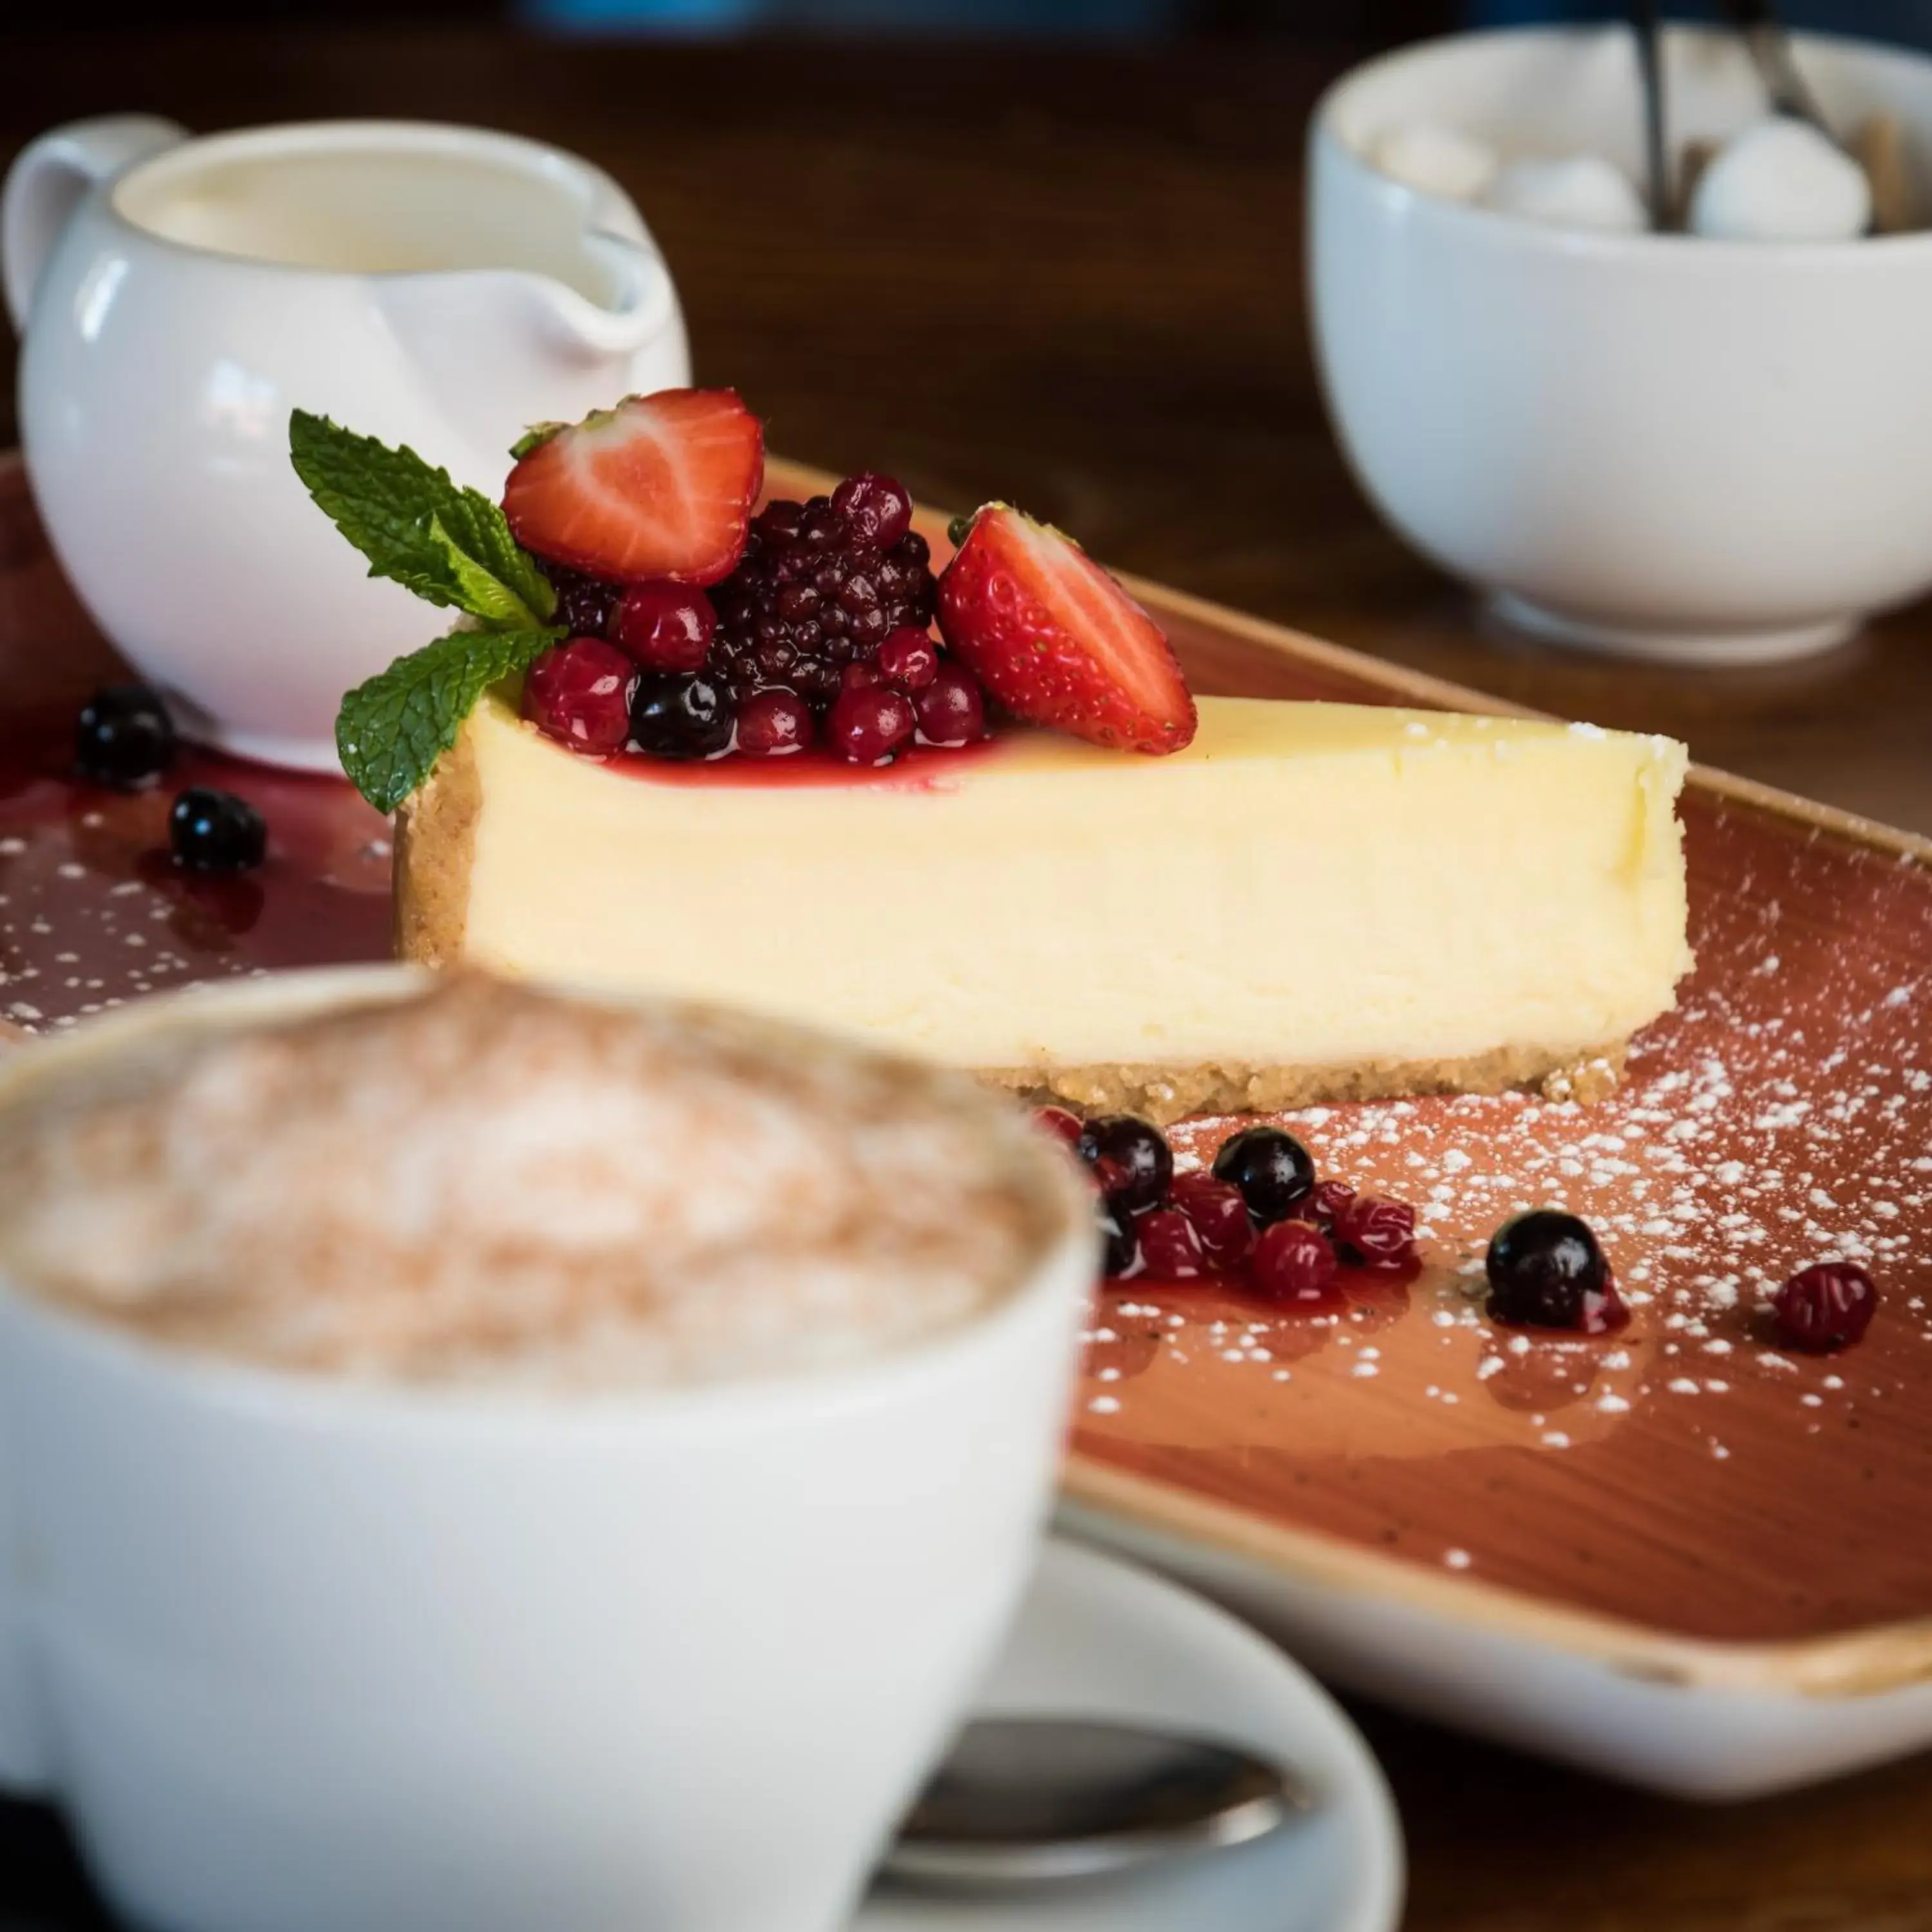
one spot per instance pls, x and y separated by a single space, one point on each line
661 486
1056 640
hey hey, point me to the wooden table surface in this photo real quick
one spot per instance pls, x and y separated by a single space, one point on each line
1072 278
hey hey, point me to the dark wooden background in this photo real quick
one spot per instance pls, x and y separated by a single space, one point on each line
1072 276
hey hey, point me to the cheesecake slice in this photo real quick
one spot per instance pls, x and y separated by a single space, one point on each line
1309 902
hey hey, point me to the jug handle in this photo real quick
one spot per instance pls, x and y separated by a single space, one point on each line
46 182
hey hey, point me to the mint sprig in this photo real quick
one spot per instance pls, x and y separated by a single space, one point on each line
450 545
391 729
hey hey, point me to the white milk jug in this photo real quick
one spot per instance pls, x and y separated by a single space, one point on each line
434 285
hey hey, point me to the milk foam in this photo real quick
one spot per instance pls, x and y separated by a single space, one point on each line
486 1182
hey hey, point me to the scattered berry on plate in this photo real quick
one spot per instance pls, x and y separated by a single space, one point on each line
1325 1200
1274 1171
1056 641
1219 1215
868 723
1545 1270
664 626
1132 1162
212 831
660 486
1371 1232
1120 1248
124 738
687 717
1293 1264
580 694
1061 1123
773 724
820 587
1170 1245
1827 1306
951 709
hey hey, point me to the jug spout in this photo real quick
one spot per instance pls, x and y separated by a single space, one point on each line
494 350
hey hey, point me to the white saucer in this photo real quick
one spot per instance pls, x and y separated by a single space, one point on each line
1099 1638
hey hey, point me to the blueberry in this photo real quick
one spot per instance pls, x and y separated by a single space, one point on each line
1131 1160
1274 1172
677 715
1545 1270
214 831
124 738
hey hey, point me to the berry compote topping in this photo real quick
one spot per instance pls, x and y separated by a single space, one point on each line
580 694
908 660
772 723
1119 1244
1131 1160
1372 1232
664 626
1273 1170
868 724
584 603
1170 1245
1545 1270
875 508
124 738
821 585
951 709
1827 1306
686 717
214 831
1293 1264
1219 1215
1060 1123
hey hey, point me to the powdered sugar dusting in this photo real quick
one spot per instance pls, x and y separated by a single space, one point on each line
1782 1115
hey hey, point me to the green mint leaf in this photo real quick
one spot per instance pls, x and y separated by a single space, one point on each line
449 545
391 729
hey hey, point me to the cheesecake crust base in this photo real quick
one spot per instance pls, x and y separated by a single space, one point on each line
435 846
1166 1093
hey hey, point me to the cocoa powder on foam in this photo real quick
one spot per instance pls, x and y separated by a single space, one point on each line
488 1182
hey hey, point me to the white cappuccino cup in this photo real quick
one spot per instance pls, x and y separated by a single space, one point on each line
300 1652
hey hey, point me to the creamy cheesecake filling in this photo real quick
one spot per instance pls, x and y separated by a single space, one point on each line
1359 898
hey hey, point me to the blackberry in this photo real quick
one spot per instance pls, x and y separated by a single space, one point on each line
821 585
584 604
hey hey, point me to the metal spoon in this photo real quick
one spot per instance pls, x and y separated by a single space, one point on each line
1769 41
1645 24
1025 1801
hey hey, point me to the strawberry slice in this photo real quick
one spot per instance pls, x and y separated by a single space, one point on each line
661 486
1056 640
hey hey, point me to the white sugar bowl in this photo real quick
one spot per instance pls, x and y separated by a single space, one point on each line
1660 445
